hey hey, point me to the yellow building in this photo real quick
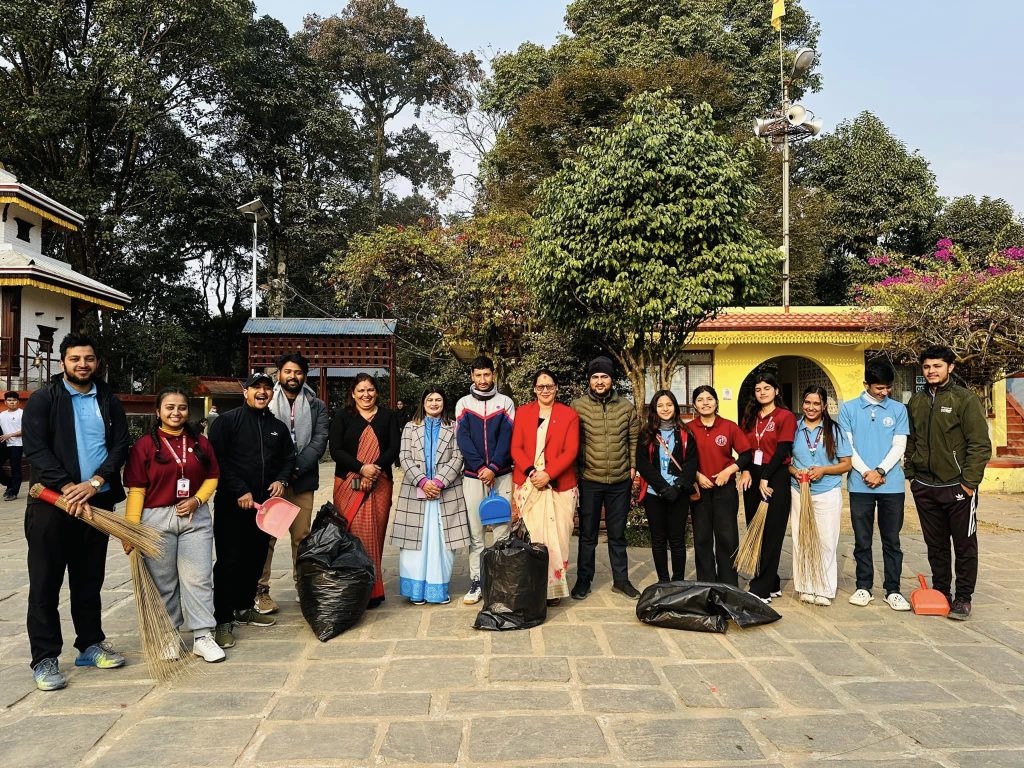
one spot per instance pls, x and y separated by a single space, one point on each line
825 346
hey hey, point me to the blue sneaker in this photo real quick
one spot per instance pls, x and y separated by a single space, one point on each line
48 676
101 656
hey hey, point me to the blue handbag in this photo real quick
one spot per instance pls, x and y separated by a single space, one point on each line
495 509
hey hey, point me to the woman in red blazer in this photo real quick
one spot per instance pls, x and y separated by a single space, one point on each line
545 441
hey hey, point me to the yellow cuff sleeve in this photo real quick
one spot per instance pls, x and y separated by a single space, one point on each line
133 507
205 492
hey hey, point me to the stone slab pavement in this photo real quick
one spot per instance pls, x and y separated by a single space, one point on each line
840 686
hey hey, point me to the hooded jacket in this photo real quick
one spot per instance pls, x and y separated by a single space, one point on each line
254 449
949 440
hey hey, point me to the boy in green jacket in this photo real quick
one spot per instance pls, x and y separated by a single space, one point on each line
947 451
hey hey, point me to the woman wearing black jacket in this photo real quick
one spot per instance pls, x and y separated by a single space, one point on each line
364 445
666 458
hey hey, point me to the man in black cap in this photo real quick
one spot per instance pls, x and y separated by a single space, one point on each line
256 456
606 466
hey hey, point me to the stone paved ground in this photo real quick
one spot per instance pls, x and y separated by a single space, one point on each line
842 686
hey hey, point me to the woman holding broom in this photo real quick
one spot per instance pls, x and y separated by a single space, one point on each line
545 442
171 474
715 533
666 460
821 455
430 516
770 430
364 444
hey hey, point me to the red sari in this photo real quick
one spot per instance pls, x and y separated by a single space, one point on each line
367 511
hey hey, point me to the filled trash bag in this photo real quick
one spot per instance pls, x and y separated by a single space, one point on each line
701 606
515 582
335 575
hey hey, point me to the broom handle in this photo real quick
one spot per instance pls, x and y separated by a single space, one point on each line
38 491
920 578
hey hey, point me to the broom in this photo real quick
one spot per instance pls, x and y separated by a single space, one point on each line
143 537
167 657
809 559
748 556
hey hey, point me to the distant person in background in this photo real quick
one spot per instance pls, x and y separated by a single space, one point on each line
403 418
211 417
297 406
10 436
364 444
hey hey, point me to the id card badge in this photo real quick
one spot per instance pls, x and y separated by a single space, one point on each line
183 488
758 457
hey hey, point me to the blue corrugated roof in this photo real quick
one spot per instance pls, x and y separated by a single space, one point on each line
314 326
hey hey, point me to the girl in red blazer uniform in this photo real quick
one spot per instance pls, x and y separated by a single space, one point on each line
545 441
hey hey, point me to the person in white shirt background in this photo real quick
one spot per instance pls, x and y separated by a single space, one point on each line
10 436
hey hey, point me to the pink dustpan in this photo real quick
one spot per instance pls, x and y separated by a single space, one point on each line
275 516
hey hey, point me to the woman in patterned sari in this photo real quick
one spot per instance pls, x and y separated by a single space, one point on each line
364 446
545 441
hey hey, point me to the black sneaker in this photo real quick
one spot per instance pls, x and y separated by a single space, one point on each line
961 610
581 590
627 589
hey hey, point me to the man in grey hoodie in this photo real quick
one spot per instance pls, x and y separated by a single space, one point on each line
297 406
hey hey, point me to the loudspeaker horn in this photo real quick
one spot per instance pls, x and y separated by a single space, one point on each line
814 125
796 114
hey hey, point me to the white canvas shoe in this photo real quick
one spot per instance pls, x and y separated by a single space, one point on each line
822 600
897 602
807 597
861 597
207 647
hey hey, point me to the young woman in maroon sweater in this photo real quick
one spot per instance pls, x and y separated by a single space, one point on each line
770 429
170 476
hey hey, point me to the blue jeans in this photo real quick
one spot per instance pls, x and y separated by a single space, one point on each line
184 572
614 498
890 522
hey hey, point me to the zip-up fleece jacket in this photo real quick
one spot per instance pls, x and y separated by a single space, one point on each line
484 433
949 440
608 435
48 425
254 448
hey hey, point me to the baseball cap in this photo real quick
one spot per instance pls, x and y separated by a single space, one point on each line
256 378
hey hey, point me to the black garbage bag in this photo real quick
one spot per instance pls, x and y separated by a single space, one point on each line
515 582
701 606
335 575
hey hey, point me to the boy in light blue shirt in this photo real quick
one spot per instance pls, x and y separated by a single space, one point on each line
877 428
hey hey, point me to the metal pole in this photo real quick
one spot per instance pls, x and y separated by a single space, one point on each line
255 225
785 223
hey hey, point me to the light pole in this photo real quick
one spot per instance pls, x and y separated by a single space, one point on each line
254 211
792 122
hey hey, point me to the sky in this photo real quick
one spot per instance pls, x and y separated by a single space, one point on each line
943 75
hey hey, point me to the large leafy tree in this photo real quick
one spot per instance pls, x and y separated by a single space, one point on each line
979 226
385 60
644 235
878 195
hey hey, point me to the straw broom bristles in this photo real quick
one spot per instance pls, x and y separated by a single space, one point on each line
166 655
748 556
808 555
140 536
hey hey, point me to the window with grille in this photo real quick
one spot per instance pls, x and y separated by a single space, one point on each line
695 369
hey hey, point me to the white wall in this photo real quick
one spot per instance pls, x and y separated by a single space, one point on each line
51 306
9 229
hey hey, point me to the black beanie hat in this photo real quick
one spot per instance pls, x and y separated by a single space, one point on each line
600 364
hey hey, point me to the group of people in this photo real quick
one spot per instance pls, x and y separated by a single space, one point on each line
548 459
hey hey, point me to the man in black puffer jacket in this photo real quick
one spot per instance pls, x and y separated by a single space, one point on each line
257 457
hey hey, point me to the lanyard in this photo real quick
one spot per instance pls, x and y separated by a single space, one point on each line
759 435
180 461
813 448
664 447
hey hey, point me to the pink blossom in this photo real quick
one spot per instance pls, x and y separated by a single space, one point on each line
943 255
944 244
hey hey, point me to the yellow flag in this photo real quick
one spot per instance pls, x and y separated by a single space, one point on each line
778 11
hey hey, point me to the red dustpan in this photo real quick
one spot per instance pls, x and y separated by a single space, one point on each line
928 602
275 516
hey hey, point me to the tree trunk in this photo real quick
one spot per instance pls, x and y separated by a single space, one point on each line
377 169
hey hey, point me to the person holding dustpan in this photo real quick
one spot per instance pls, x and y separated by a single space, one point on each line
256 457
947 451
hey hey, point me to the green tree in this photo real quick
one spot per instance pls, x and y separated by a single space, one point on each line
979 226
386 60
878 195
644 236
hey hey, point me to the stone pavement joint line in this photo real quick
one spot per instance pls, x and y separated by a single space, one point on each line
852 687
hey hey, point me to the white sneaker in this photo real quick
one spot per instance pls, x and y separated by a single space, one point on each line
897 602
807 597
821 600
207 647
775 593
861 597
475 593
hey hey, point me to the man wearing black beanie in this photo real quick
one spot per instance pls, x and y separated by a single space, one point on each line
606 466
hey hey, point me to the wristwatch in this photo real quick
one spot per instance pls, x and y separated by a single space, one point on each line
97 484
880 471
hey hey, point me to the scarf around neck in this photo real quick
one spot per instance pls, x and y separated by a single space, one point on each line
302 427
483 394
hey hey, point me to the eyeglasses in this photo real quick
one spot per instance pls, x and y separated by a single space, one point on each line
544 387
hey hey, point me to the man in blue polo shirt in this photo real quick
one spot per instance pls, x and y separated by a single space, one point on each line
877 428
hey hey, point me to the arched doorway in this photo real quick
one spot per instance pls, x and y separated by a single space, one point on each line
794 374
